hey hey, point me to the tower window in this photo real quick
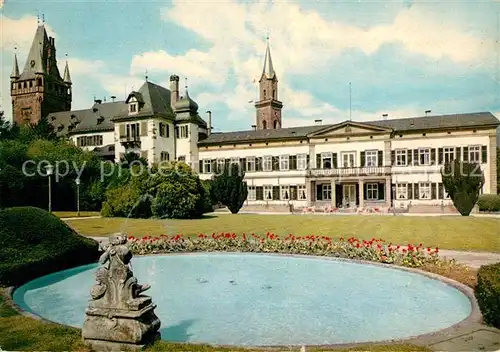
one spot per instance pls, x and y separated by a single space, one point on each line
275 124
24 85
264 94
264 124
31 84
274 94
39 81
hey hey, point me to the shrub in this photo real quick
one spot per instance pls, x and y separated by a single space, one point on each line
229 188
488 293
178 193
34 243
462 182
489 202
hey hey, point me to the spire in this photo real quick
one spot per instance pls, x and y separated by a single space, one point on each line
268 70
67 77
15 68
35 62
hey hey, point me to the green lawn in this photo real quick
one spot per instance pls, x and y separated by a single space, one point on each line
74 214
447 232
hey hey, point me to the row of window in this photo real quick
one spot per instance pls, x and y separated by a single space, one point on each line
372 191
421 190
369 158
251 163
134 130
58 89
427 156
89 141
285 192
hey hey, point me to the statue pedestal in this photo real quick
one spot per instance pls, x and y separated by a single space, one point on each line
119 317
108 329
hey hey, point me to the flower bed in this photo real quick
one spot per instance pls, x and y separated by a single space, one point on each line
376 250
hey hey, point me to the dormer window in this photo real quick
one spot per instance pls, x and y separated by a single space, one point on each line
133 105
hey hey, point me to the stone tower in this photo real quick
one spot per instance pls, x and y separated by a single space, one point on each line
268 107
39 90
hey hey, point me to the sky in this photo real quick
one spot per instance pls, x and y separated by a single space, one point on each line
401 57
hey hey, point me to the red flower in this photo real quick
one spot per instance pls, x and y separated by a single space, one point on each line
357 245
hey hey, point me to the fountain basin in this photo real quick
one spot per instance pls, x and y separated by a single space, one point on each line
260 299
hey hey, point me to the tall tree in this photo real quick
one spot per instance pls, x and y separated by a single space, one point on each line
463 182
42 129
229 188
8 130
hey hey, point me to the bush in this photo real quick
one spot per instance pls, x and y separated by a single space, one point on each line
229 188
463 181
488 293
489 202
178 193
35 243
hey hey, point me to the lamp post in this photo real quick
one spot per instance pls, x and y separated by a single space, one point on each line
50 170
77 181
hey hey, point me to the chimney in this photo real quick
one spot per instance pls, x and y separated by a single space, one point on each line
318 122
254 127
174 90
209 127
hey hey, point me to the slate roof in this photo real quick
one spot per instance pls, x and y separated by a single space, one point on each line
156 100
87 120
39 55
397 125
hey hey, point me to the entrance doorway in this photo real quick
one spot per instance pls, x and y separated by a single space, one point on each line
349 194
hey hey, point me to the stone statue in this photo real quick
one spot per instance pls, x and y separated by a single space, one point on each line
118 315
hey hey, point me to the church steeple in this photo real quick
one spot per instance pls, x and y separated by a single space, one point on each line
67 77
15 68
39 89
268 71
268 107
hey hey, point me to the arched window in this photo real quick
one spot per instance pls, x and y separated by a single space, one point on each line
264 124
39 82
275 124
274 94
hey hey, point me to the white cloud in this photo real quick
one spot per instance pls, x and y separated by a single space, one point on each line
302 42
19 33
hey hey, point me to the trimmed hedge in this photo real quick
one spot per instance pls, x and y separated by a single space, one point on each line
488 293
489 202
34 242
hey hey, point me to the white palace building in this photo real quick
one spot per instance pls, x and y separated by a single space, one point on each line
349 164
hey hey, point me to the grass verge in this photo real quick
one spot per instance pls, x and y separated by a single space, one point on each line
449 232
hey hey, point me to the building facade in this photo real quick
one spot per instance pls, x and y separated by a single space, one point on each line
384 163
